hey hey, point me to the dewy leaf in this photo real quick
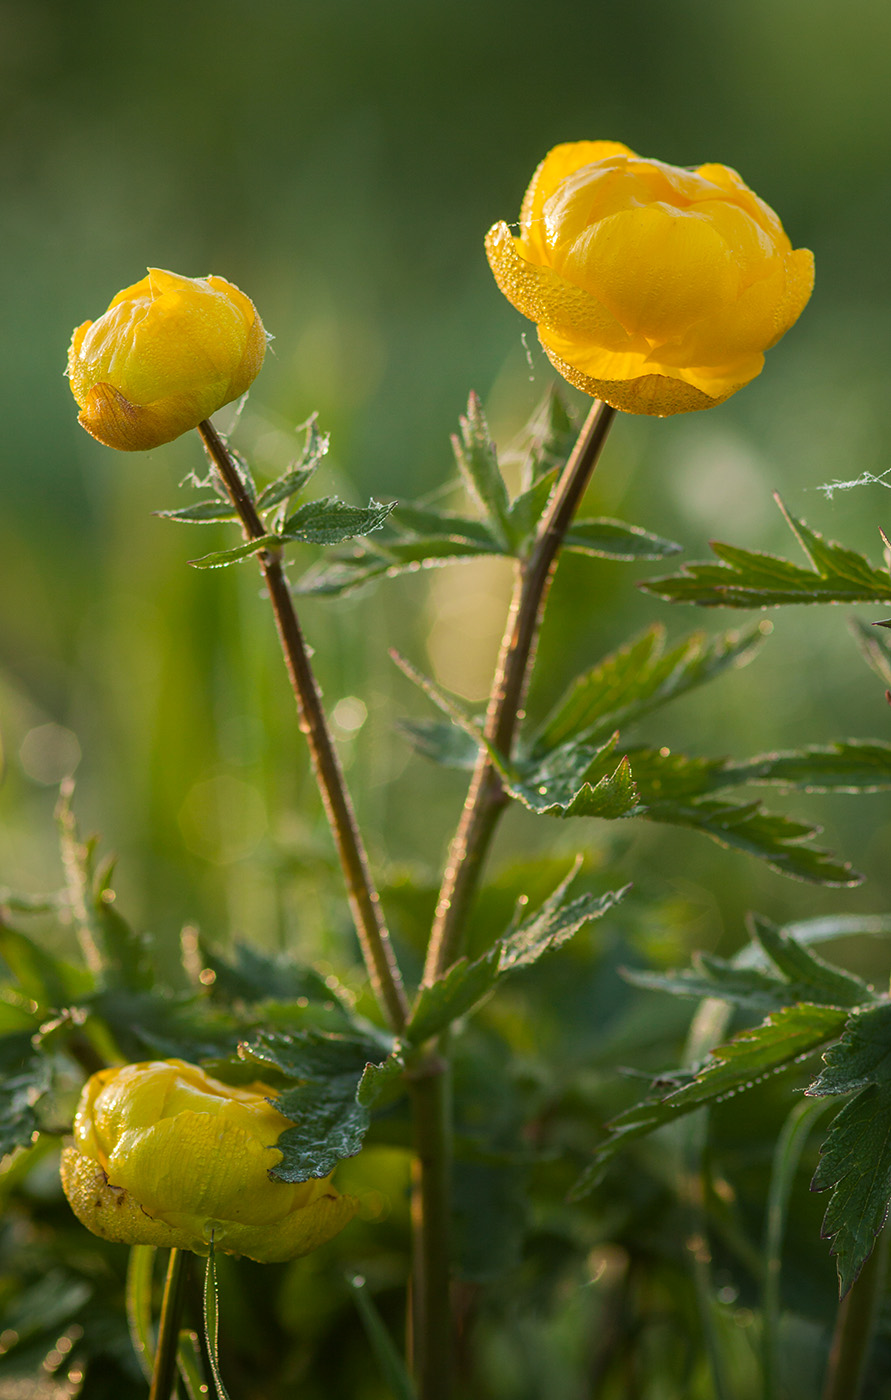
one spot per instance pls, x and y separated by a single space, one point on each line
638 678
338 1077
710 976
862 1056
330 521
253 975
423 523
202 512
746 1059
855 1159
748 579
385 559
20 1093
443 743
478 465
467 983
298 473
611 539
856 1162
551 435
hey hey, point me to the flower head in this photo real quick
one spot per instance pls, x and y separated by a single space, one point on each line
165 1155
168 352
655 288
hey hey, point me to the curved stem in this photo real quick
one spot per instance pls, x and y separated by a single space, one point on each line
164 1371
374 939
486 798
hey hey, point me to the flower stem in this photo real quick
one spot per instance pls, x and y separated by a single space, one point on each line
164 1371
364 900
854 1327
430 1330
486 798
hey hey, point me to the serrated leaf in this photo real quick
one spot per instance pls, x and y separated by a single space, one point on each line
784 1037
612 539
861 1057
329 521
551 435
466 983
298 473
478 465
221 558
638 678
850 765
710 976
810 978
610 797
385 559
325 1104
750 579
855 1162
778 840
529 507
254 975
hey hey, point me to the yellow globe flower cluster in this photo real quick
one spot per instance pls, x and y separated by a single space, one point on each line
165 1155
655 288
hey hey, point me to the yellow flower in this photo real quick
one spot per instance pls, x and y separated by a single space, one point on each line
165 1155
654 288
168 352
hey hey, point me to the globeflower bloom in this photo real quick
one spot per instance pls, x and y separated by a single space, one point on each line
168 353
654 288
165 1155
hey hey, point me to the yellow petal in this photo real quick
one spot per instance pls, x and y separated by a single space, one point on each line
110 1211
545 297
293 1237
561 161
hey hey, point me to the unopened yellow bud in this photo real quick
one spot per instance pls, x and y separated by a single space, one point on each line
165 1155
654 288
168 353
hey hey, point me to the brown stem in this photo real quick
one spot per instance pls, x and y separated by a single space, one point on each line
374 939
486 798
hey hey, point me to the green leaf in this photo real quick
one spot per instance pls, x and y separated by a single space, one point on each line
202 512
611 539
292 481
639 678
139 1305
426 524
339 1077
613 795
855 1162
748 579
783 1038
443 743
467 983
778 840
850 765
385 559
20 1094
478 465
390 1362
253 975
37 974
329 521
874 648
529 507
710 976
551 435
862 1056
808 976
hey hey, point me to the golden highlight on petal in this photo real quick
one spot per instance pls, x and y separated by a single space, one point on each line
653 287
168 352
164 1154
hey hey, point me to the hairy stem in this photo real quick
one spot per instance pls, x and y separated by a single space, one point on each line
164 1371
485 797
364 900
855 1326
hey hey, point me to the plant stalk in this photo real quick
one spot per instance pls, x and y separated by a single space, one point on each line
855 1325
431 1340
374 939
486 798
164 1370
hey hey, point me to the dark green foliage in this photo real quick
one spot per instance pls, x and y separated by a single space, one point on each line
748 579
855 1163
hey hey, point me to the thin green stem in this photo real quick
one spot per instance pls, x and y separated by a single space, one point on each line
854 1327
485 798
431 1340
164 1372
374 939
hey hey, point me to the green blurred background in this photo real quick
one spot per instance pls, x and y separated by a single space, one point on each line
341 162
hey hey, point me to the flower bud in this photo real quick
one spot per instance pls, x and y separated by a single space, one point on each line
168 353
165 1155
654 288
